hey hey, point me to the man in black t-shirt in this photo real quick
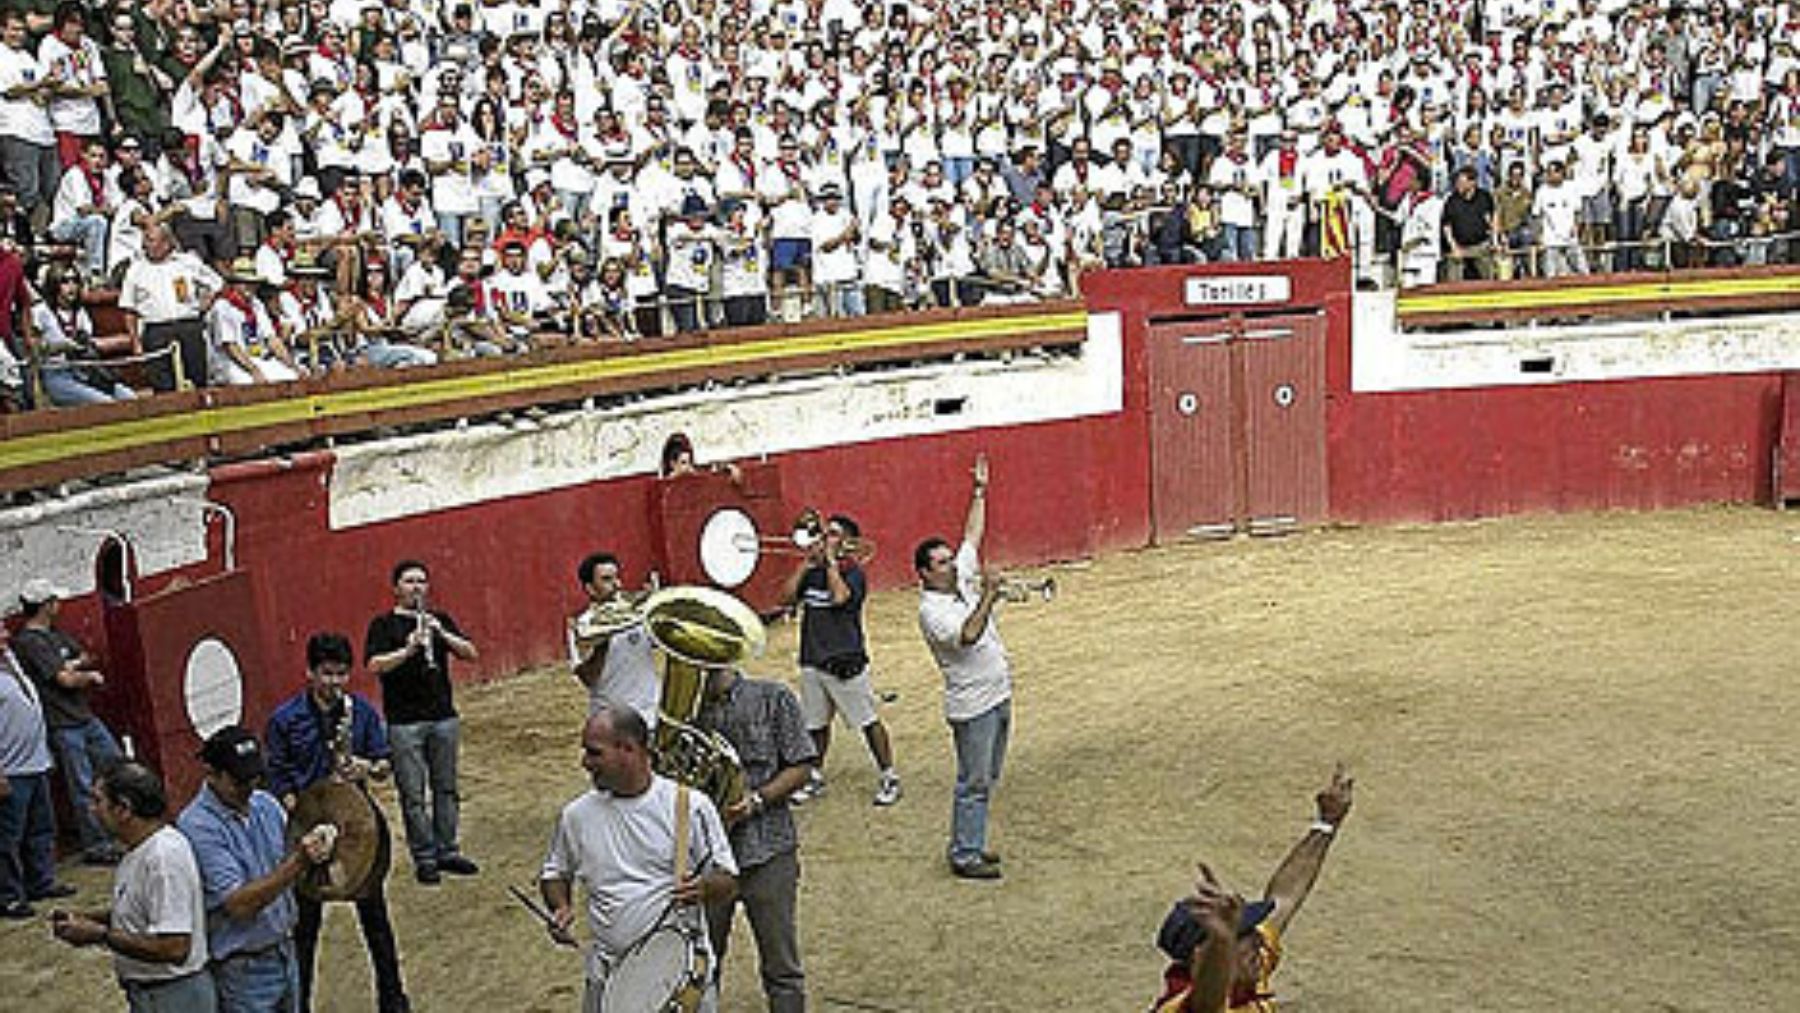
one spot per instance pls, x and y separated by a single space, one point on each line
409 648
65 674
1469 229
834 658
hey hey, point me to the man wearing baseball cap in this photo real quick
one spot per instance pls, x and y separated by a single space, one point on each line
1224 949
65 675
239 836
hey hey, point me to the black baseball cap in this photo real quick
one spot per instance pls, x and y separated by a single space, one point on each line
1181 930
234 750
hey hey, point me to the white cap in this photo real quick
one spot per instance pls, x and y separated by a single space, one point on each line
39 590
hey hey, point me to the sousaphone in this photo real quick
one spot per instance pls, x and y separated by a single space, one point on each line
697 629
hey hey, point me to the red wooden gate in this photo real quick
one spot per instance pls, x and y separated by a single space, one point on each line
1237 409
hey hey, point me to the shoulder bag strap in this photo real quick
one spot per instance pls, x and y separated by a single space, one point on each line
682 816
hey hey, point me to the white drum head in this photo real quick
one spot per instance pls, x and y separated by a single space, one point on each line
646 978
728 547
212 687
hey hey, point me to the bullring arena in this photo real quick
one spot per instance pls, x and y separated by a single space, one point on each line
1571 738
1404 388
1524 580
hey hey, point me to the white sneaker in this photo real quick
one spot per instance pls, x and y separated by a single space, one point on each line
813 788
889 791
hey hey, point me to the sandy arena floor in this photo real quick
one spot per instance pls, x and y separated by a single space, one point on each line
1572 739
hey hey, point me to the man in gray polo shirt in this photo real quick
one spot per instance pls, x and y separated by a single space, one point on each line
762 722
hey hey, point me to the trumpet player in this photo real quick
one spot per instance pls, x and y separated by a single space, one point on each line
409 648
609 650
829 587
956 615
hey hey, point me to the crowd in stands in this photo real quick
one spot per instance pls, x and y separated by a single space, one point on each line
276 186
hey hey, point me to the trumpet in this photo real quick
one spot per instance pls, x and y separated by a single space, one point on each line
809 531
1043 589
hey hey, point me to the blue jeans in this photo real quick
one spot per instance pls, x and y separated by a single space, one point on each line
192 994
27 839
425 773
266 982
1241 242
980 752
80 750
66 388
842 299
90 232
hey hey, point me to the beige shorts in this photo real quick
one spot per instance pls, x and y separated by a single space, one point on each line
823 694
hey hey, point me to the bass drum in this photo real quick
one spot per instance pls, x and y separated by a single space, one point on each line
664 972
364 850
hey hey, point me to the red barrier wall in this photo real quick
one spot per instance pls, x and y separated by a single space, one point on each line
1634 445
506 569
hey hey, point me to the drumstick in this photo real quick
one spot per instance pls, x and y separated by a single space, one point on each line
533 906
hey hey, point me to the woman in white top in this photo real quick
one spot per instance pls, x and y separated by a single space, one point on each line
1637 174
493 163
64 336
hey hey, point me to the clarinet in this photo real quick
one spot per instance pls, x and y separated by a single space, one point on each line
429 651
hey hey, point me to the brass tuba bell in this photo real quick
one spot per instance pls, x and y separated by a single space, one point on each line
697 629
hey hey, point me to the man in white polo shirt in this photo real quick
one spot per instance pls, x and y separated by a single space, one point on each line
956 615
165 295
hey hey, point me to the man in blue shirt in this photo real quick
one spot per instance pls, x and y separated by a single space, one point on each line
300 742
239 836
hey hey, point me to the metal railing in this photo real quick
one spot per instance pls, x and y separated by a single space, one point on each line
1653 254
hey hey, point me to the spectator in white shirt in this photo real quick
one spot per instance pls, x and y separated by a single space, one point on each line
27 140
448 147
1557 208
261 169
246 345
690 243
80 214
784 190
72 61
518 294
837 261
743 267
407 218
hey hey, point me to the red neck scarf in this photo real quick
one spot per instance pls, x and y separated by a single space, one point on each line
96 183
241 299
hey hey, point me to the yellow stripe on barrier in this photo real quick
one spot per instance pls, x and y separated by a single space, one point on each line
1647 291
415 392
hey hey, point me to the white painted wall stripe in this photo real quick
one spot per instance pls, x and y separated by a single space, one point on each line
411 476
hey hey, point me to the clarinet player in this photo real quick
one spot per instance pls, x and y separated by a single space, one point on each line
410 648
